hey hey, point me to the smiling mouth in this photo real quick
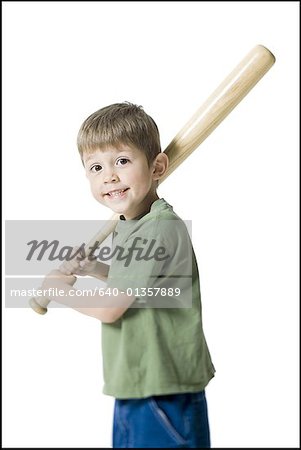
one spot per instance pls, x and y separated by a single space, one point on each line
118 193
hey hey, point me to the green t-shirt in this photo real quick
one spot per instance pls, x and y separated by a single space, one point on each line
158 346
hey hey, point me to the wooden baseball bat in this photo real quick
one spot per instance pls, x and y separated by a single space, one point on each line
215 109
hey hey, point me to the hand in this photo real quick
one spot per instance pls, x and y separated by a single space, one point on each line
78 265
56 277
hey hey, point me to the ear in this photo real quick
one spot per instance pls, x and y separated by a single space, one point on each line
160 166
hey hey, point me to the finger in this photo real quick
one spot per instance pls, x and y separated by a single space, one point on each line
65 270
84 263
72 265
68 267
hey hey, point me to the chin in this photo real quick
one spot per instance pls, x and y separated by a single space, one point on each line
118 210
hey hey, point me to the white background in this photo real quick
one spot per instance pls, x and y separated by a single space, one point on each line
64 60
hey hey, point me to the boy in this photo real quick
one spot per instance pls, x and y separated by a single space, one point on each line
155 358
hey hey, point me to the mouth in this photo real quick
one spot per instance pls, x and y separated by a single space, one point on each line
116 194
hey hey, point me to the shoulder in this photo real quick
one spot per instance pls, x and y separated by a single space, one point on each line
161 224
166 226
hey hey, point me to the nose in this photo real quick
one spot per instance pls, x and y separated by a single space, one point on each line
110 176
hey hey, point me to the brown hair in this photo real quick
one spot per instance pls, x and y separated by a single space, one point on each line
120 123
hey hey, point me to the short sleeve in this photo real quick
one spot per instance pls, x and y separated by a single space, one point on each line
154 264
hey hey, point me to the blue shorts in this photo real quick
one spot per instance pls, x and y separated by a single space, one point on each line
164 421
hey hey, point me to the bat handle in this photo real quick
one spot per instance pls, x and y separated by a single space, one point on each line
39 306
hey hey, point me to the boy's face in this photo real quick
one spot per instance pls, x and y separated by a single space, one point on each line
121 179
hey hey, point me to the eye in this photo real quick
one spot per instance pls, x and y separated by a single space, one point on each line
96 168
122 161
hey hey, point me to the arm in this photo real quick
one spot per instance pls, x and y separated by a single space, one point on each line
55 281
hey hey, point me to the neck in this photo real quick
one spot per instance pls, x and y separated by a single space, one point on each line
144 207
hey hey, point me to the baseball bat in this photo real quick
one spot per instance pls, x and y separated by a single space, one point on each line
215 109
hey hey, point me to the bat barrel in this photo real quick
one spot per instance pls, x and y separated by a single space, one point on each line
219 104
215 109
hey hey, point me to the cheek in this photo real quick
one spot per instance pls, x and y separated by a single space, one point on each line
95 191
142 179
